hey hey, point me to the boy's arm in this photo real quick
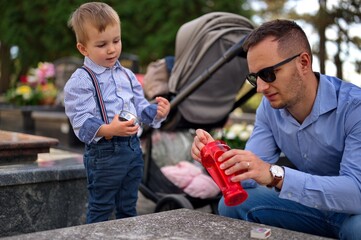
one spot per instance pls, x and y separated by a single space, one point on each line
81 106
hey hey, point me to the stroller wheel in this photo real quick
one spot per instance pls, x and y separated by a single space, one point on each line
171 202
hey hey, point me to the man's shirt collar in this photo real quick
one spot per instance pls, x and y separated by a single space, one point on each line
326 100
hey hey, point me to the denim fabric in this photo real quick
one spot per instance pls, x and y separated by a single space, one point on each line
148 114
91 127
114 171
264 206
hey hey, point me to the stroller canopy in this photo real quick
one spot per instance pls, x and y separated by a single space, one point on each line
199 43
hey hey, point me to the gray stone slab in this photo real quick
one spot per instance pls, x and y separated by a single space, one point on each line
69 167
175 224
44 194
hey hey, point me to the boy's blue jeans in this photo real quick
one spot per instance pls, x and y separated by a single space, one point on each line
264 206
114 171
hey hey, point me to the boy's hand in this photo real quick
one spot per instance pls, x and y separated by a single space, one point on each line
124 128
163 107
118 128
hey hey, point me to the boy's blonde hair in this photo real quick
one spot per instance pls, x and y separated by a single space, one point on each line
99 15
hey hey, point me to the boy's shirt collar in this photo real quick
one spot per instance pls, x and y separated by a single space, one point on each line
97 69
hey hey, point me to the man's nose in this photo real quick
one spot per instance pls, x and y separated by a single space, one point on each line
261 85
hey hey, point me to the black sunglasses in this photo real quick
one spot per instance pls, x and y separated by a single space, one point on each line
267 74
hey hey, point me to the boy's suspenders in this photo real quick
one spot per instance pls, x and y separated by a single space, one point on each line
98 94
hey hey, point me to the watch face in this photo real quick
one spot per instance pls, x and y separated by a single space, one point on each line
277 171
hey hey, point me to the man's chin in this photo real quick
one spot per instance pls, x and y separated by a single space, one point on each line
277 105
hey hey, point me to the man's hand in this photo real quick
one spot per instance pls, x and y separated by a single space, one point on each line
248 164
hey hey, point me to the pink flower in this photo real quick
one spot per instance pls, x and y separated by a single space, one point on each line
44 71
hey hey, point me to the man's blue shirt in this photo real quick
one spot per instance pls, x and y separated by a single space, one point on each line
325 148
81 105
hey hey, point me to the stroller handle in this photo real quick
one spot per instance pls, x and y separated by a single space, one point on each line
235 50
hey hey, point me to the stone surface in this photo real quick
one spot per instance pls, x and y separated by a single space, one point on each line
21 116
46 199
45 194
47 121
56 125
175 224
19 147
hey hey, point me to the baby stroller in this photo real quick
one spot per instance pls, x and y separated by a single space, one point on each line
209 70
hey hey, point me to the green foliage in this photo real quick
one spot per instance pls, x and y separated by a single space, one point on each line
39 28
149 28
252 104
335 17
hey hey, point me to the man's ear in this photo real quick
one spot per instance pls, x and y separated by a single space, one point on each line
82 49
305 62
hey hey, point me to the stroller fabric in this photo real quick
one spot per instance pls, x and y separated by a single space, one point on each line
199 43
170 148
155 82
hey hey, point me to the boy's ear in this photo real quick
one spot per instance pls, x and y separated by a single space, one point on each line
82 49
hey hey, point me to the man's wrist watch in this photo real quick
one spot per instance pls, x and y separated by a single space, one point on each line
277 173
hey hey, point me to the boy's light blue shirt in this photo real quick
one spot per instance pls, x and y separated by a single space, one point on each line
81 105
325 148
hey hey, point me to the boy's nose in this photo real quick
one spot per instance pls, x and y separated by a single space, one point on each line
111 48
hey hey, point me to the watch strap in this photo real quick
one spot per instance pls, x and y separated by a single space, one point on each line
274 183
276 179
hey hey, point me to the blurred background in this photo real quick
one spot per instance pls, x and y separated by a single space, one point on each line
37 31
36 45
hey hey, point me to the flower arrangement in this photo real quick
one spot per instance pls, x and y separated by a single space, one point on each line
235 135
35 88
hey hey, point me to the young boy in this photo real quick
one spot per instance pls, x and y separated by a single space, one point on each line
112 157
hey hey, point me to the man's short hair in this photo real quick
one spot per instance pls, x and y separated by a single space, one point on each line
290 37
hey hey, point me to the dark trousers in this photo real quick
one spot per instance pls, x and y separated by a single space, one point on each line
114 171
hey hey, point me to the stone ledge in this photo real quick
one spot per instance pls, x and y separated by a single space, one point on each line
176 224
57 165
49 115
44 194
19 147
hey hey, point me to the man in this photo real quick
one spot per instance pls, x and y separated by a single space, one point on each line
315 120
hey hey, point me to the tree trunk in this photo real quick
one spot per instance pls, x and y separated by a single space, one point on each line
321 25
5 67
337 59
